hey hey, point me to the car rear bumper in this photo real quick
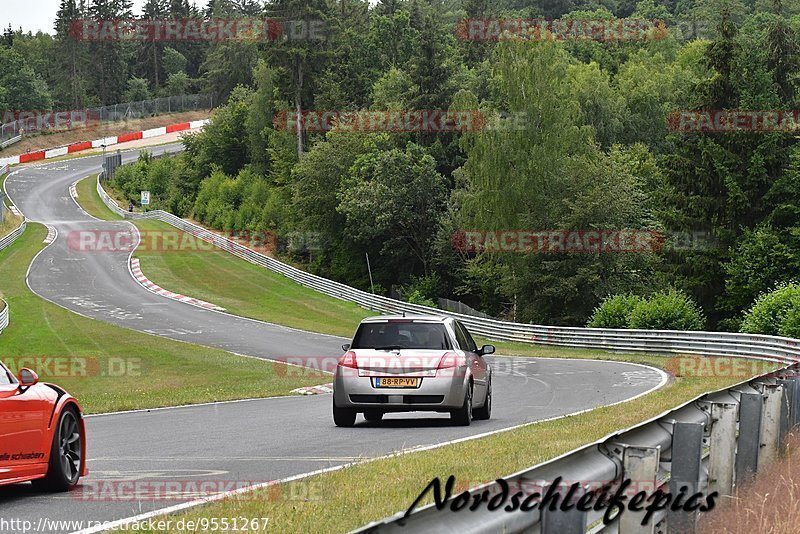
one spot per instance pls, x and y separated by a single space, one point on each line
433 394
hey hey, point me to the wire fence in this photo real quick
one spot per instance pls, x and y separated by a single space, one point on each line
39 121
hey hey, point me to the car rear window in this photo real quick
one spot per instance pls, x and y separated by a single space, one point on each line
405 335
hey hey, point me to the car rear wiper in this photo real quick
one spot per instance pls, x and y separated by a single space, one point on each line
389 347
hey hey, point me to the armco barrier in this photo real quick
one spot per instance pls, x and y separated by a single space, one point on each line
3 315
708 444
7 240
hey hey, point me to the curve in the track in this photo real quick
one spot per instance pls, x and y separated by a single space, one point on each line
255 441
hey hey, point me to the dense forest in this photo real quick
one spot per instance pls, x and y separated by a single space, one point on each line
575 136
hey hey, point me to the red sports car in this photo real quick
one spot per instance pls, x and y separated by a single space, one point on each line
42 435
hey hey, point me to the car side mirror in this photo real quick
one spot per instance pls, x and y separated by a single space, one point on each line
27 377
346 347
487 349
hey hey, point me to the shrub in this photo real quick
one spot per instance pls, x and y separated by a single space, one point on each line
775 313
418 298
667 310
614 311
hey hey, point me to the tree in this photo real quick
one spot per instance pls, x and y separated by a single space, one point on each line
299 60
151 52
137 90
111 58
395 198
178 84
71 79
223 143
393 90
174 62
24 89
550 175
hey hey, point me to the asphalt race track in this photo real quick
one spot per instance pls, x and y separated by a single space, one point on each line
254 441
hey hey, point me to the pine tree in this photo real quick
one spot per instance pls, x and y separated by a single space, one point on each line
300 60
110 57
71 54
151 52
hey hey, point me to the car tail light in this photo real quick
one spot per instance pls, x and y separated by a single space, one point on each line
452 359
349 360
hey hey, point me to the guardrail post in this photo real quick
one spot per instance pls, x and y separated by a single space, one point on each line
770 424
786 409
557 521
687 455
749 442
722 456
640 465
796 404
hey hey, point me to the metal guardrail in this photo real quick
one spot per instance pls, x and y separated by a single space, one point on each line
708 444
10 142
3 315
10 238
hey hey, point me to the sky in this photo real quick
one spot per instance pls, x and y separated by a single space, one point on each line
36 15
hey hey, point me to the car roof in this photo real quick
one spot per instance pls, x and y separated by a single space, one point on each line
421 318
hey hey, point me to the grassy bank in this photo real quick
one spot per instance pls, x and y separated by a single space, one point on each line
231 282
109 368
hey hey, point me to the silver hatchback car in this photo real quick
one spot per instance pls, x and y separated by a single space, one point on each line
406 364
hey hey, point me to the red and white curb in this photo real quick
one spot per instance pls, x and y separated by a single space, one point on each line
315 390
98 143
136 270
14 210
73 190
52 233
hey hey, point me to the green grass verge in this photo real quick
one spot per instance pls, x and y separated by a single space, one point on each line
109 368
238 286
90 200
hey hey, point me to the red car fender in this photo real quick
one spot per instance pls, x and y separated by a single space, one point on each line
63 402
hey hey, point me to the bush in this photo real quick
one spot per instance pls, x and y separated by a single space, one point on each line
775 313
614 311
418 298
667 310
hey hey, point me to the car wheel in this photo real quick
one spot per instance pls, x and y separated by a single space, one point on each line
64 468
485 411
373 416
343 416
463 415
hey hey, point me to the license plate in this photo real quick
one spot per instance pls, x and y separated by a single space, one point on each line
396 382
